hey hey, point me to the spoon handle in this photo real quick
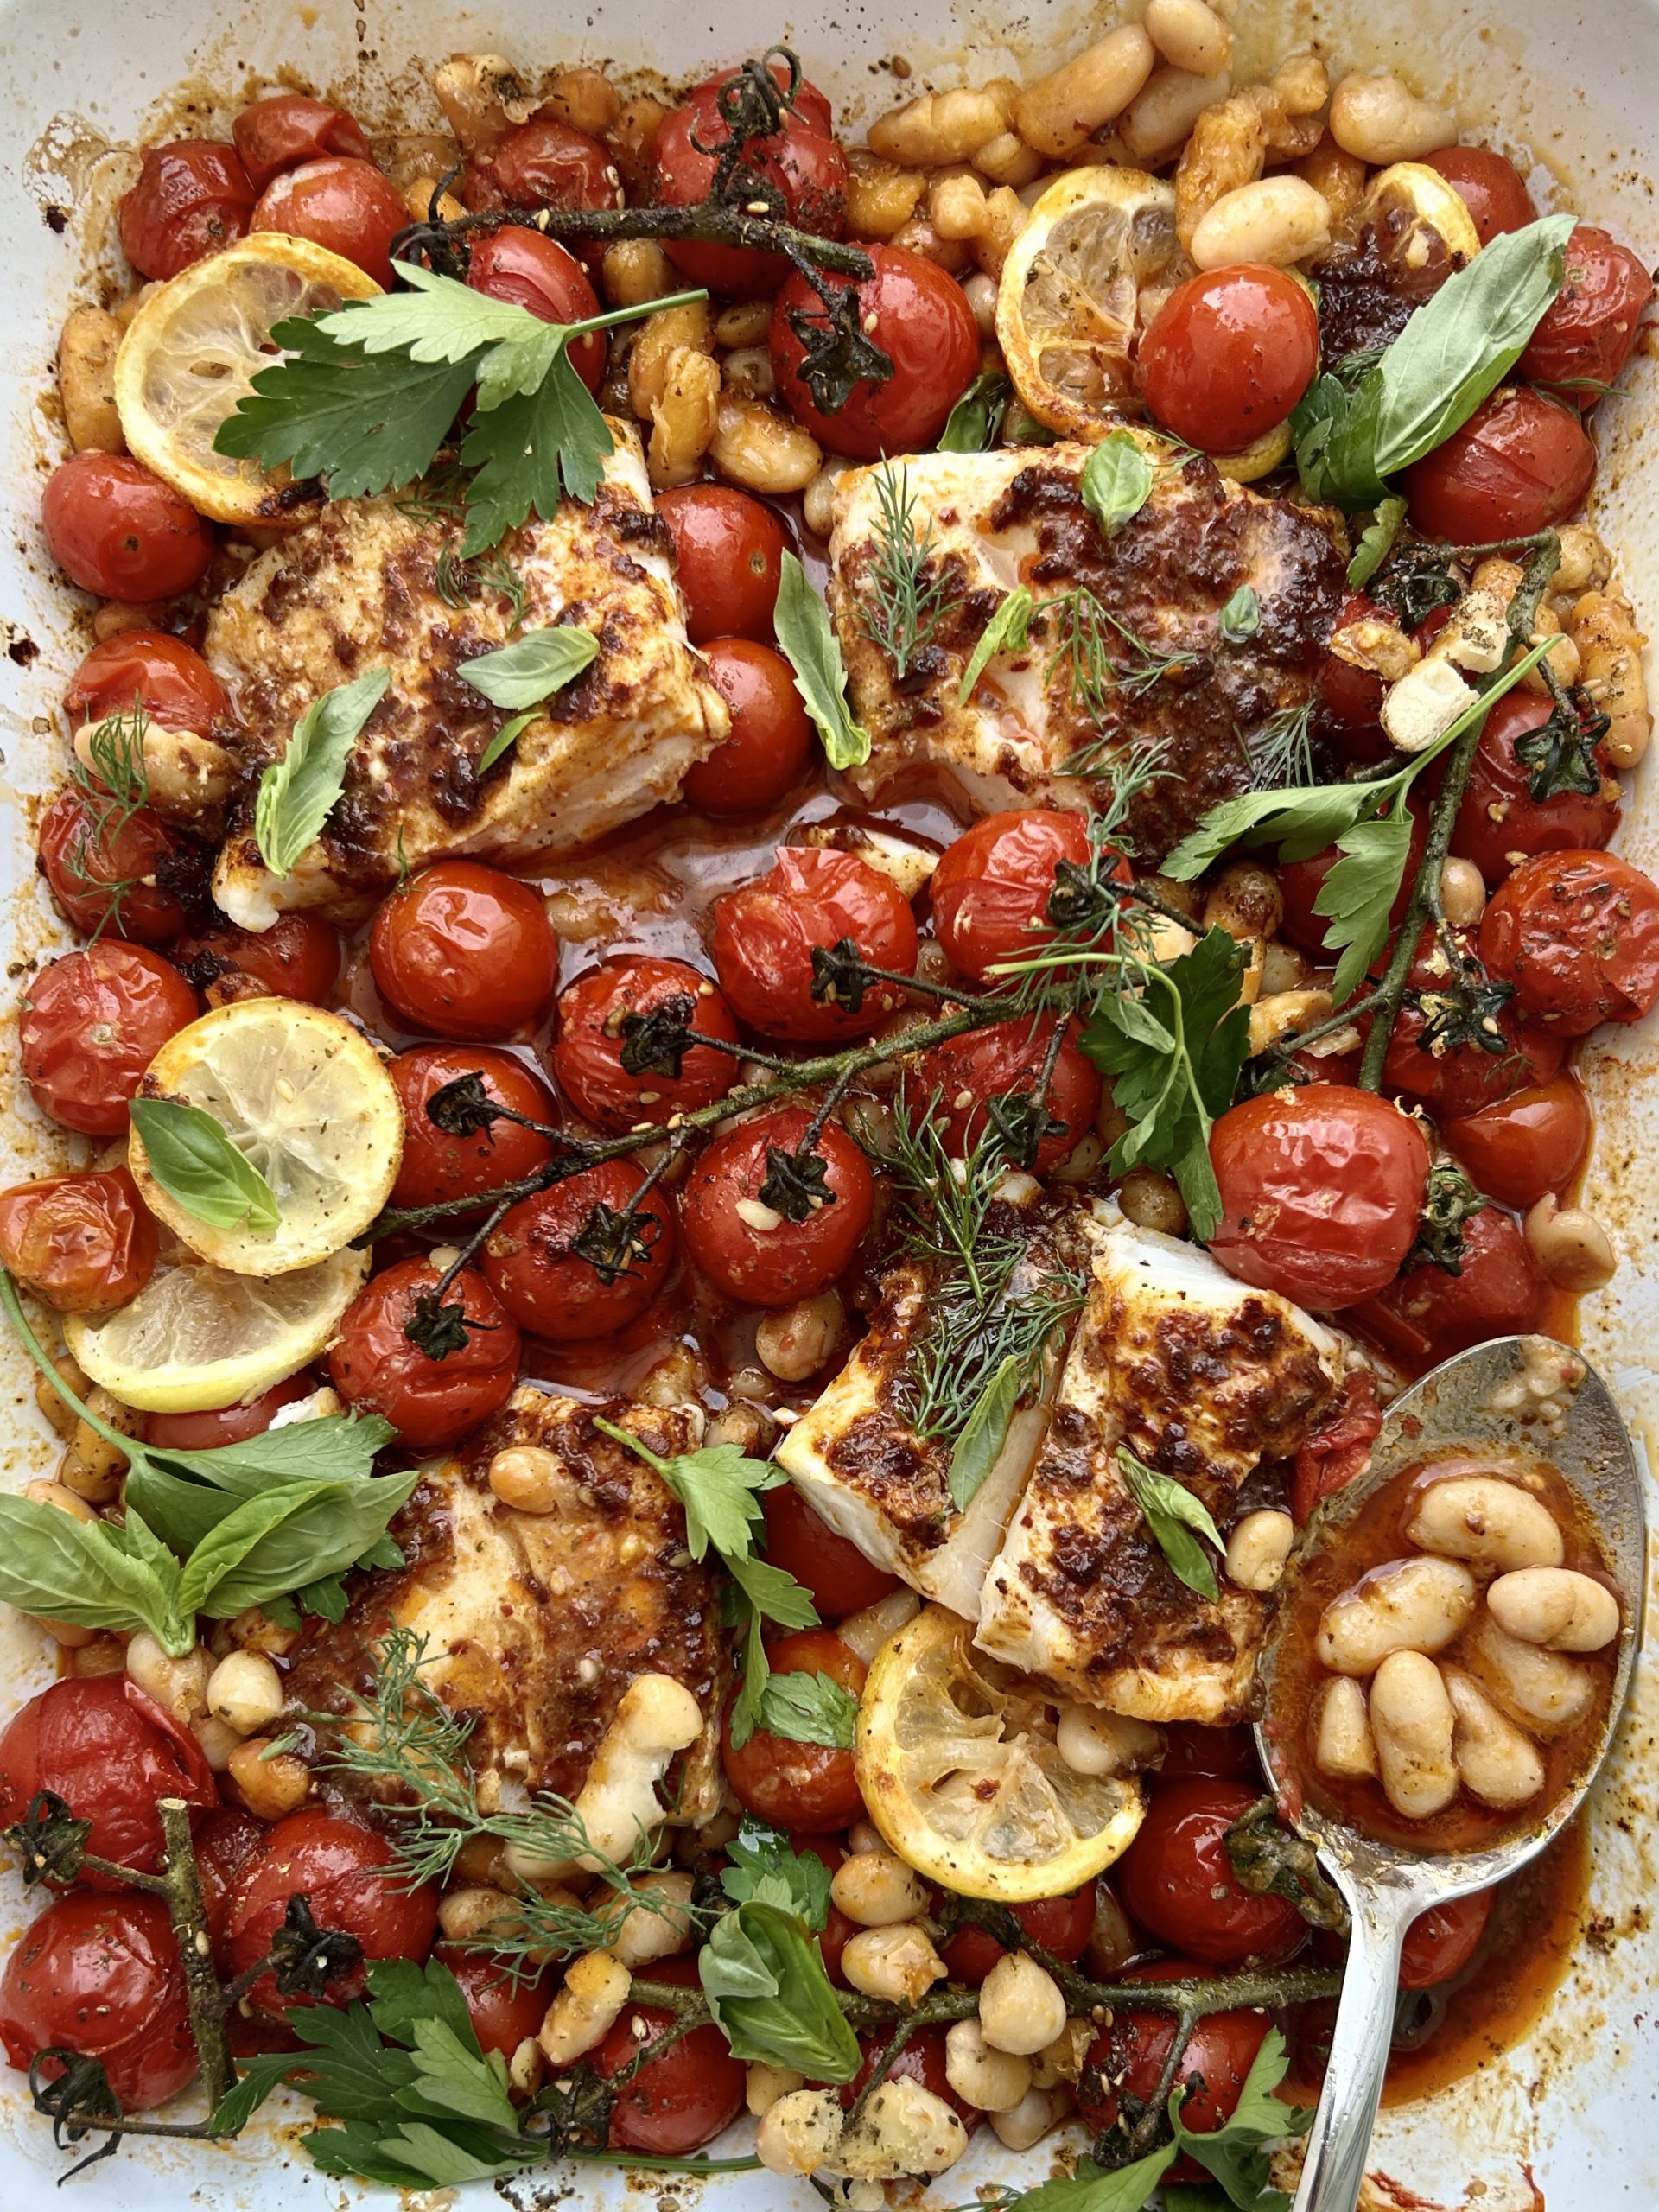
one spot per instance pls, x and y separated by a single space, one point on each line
1340 2140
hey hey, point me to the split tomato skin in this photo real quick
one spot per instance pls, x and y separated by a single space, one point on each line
1526 1145
347 207
1578 935
152 671
1588 331
503 2012
107 868
466 952
1177 1881
102 1975
1499 1291
93 1022
83 1244
1228 354
193 196
537 274
291 128
801 160
676 2103
116 530
233 1423
437 1167
991 889
811 898
587 1056
349 1873
1060 1926
1521 462
1127 2059
1491 188
920 319
1500 824
1007 1059
298 957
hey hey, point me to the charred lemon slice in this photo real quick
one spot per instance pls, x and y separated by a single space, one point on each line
1417 218
1067 305
956 1760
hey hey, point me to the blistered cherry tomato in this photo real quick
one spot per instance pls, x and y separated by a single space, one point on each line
347 1871
1353 696
192 197
350 207
764 934
374 1364
1532 1142
537 274
503 2010
595 1014
107 867
91 1023
921 320
1177 1881
1432 1057
1441 1942
464 951
1339 1448
298 957
1228 354
1301 881
117 529
1224 1754
1498 1291
1578 935
101 1975
290 128
147 670
773 1266
225 1842
990 891
810 1786
802 161
770 739
682 2100
1518 464
564 1267
833 1572
85 1244
1127 2059
728 551
1502 821
233 1424
1060 1926
921 2061
1320 1191
1491 188
544 163
110 1753
437 1167
1006 1062
1589 329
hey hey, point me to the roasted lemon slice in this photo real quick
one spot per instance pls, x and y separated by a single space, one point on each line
194 348
302 1095
956 1760
195 1338
1417 219
1066 307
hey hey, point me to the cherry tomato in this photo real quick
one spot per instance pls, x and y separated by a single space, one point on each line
85 1244
1127 2059
192 197
109 1752
1339 1448
536 273
796 1259
1497 1292
810 1786
544 163
1223 1754
1060 1926
107 868
833 1572
770 739
290 128
1518 464
837 1932
146 668
233 1424
991 890
1500 822
465 951
921 2061
802 161
1300 882
921 320
1589 329
1491 188
224 1842
1320 1191
117 530
1578 935
91 1023
1529 1143
536 1264
503 2010
101 1975
437 1167
586 1058
766 932
1006 1061
298 957
1453 1076
347 207
1441 1942
1228 354
1176 1880
729 551
1353 696
373 1362
345 1871
676 2103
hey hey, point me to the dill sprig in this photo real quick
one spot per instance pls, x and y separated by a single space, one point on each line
113 782
1102 662
1280 752
906 602
459 582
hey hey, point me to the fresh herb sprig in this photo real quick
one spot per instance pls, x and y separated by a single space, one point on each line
907 587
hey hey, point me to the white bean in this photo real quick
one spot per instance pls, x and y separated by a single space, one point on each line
1411 1722
1060 112
1495 1762
1278 219
1417 1604
1570 1245
1491 1524
1092 1742
875 1889
1538 1689
1463 893
799 2131
1381 119
1555 1607
993 2081
1021 2009
1342 1742
765 2086
1190 35
897 1964
867 1631
244 1691
1023 2127
1157 121
1257 1549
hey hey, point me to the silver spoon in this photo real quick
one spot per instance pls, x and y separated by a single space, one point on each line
1475 1401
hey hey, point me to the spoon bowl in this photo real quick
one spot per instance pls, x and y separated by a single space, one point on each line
1516 1393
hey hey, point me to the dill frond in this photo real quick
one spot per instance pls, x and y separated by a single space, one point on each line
1280 752
905 603
459 582
1102 662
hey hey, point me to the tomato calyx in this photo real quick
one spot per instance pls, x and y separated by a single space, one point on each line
797 1182
1560 753
1271 1860
1450 1202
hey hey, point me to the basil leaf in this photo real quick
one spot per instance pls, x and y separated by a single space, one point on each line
764 1866
1117 481
1240 617
290 1535
184 1495
983 1435
532 668
1334 432
809 1709
977 415
764 1978
1376 543
1172 1514
807 639
1006 633
299 792
1022 427
194 1161
1094 2188
92 1574
507 735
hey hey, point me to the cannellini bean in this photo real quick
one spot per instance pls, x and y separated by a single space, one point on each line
1338 178
993 2081
747 370
796 1341
86 351
1283 970
939 128
179 1686
765 2086
980 293
904 2129
1156 122
1417 1604
899 1964
584 2011
1463 893
1092 1742
464 1915
1245 899
1021 2009
1257 1549
880 196
1537 1688
483 97
424 200
246 1691
1380 119
875 1889
1290 105
1342 1744
1495 1762
218 1741
585 99
1152 1201
1225 149
1609 658
661 1928
1492 1524
746 322
757 448
664 335
1278 219
1411 1725
956 206
799 2131
682 419
1279 1014
1190 36
635 271
632 139
1008 160
46 1493
1555 1607
1057 113
531 1480
1065 2058
867 1631
57 1409
1570 1245
1586 563
817 502
270 1787
1023 2127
